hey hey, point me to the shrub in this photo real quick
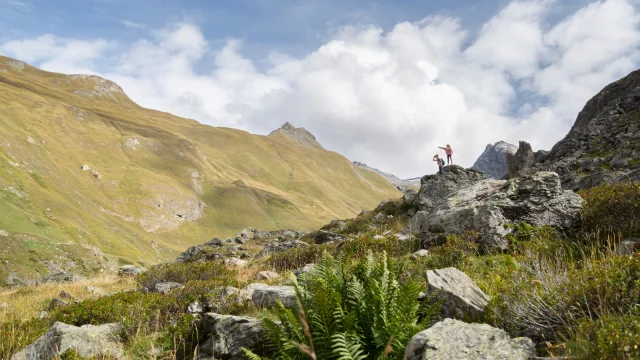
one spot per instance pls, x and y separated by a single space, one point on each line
614 336
298 257
16 335
360 311
613 208
185 272
361 246
453 253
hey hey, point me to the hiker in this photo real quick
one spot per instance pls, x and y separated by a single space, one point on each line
449 151
440 161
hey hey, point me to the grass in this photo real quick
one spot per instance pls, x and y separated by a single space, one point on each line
45 141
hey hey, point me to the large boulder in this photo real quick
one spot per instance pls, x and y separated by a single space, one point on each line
461 297
165 288
489 206
493 161
434 188
87 341
268 296
455 340
224 336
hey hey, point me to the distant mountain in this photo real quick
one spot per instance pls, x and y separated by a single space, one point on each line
89 180
493 161
413 183
299 136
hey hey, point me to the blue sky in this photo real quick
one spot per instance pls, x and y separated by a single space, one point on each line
383 82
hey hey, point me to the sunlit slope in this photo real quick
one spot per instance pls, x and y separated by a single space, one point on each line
156 183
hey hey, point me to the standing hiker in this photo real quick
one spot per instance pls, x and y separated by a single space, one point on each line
449 151
440 162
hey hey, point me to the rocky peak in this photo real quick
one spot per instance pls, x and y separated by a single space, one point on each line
299 136
405 183
493 161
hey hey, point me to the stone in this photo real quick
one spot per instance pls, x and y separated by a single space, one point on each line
434 188
165 288
268 296
87 341
85 168
455 340
224 336
274 247
44 314
59 277
131 270
194 308
235 262
422 253
94 290
488 206
66 295
246 293
628 246
304 270
519 162
326 237
239 240
493 161
409 196
214 242
57 304
461 297
267 275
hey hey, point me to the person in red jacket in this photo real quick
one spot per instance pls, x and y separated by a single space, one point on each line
449 151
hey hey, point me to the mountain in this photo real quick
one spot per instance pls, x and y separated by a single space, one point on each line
493 161
90 180
413 183
299 136
602 146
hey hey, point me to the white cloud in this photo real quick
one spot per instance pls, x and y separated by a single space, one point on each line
385 98
131 24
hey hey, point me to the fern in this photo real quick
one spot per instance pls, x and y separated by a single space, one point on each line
353 311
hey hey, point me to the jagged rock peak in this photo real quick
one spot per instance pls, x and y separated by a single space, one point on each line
408 183
299 135
493 161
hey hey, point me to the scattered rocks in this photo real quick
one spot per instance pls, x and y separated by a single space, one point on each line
267 275
130 270
194 308
275 247
422 253
60 277
235 262
455 340
87 341
268 296
166 287
461 297
325 237
224 336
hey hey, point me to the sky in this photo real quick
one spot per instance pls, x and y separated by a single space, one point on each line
383 82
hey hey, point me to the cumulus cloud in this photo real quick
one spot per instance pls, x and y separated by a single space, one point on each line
387 98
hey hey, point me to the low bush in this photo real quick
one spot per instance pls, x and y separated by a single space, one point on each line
612 208
613 336
453 253
364 311
361 246
296 258
185 272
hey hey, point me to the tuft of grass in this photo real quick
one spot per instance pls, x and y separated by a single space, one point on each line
612 208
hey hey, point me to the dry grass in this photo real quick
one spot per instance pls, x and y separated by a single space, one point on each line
27 301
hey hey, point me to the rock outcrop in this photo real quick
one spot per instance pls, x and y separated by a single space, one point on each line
268 296
461 297
461 201
455 340
521 162
165 288
224 336
493 161
604 143
326 237
87 341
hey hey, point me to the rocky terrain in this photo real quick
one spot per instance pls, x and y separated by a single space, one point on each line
90 181
602 146
402 183
493 160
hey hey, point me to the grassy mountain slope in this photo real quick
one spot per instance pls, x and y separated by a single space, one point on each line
156 183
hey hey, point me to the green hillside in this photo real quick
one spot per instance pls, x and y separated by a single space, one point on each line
155 183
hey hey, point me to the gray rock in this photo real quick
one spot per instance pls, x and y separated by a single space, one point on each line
409 196
434 188
519 162
88 341
486 206
57 304
422 253
166 287
66 295
239 240
267 275
131 270
246 294
274 247
224 336
493 161
304 270
461 297
235 262
455 340
628 246
214 242
60 277
269 296
325 237
194 308
44 314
